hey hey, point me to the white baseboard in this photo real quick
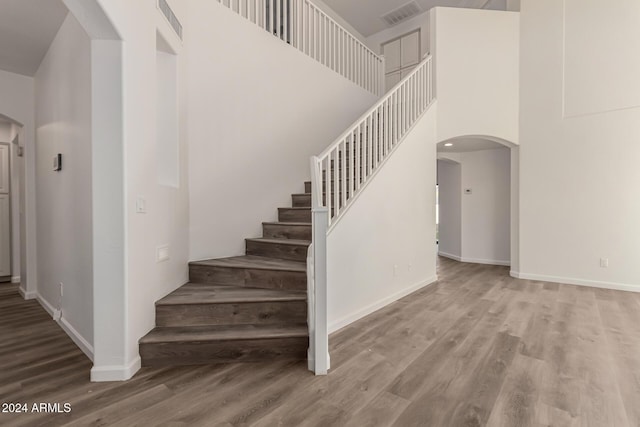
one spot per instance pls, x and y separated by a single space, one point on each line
347 320
578 282
45 304
475 260
75 336
115 372
487 261
15 279
27 295
450 256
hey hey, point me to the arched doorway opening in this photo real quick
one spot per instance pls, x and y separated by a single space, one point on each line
478 204
12 203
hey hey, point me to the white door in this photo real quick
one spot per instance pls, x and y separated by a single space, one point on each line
5 213
391 52
410 49
401 56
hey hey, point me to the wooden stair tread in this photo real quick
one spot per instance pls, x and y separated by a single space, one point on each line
254 262
204 293
223 333
292 242
289 224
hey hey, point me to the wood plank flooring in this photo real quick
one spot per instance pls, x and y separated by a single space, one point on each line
477 348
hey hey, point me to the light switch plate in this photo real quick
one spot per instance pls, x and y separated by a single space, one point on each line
141 205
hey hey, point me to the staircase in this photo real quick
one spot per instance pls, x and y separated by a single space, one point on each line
241 309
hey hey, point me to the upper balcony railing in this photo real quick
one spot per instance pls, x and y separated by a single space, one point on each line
341 171
307 28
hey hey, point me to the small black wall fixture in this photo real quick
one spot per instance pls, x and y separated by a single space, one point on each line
57 162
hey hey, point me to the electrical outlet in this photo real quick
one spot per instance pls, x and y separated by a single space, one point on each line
604 262
162 253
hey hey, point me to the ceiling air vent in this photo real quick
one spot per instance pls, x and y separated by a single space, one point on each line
171 17
402 13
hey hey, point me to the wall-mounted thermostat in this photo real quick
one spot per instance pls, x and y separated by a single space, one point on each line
467 191
57 162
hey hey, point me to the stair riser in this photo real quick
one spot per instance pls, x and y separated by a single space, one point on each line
301 200
275 250
302 232
205 353
294 215
255 278
246 313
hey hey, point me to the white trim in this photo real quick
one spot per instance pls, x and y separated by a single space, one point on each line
27 295
486 261
474 260
115 372
577 282
347 320
45 304
75 336
78 339
450 256
15 279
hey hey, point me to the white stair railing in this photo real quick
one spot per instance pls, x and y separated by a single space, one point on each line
306 27
346 166
341 173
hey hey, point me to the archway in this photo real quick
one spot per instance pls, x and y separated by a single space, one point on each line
510 207
17 108
13 262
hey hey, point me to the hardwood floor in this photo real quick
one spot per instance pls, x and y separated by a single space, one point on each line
476 348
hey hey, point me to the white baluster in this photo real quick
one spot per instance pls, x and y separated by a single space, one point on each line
343 174
336 185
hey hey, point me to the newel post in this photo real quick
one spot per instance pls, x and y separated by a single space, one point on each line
319 334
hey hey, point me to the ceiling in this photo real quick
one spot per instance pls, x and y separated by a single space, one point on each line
27 28
463 145
364 15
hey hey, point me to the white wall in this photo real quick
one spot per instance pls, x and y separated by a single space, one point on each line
5 132
476 62
579 175
165 221
375 41
513 5
601 66
17 103
450 205
340 20
486 211
63 125
391 223
258 109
